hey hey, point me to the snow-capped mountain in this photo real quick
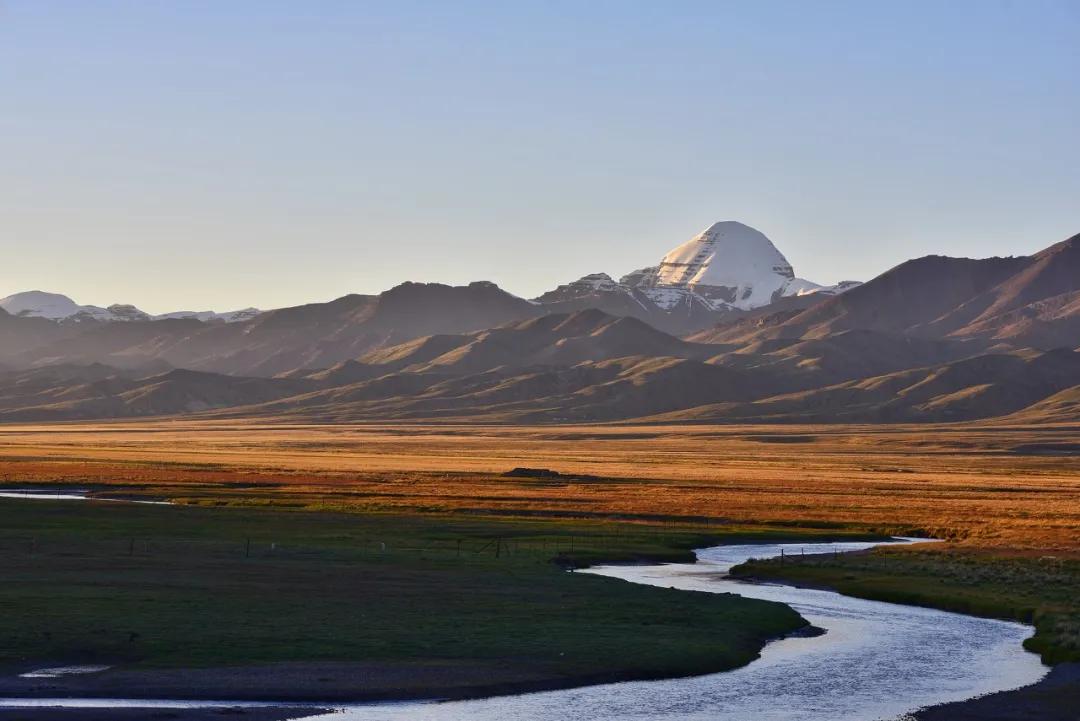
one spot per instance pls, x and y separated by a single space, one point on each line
584 286
728 264
38 304
54 306
234 316
727 267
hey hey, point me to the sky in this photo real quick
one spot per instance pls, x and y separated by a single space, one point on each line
198 154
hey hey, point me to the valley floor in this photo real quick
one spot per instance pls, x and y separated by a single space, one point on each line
423 524
983 485
232 603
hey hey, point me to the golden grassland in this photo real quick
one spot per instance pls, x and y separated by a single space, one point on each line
1002 487
1007 497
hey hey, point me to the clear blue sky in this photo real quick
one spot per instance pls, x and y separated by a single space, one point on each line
216 154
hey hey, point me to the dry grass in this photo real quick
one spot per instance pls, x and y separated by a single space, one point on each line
959 481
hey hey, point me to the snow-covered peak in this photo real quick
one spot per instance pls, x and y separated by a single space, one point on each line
841 287
584 286
800 286
125 312
727 266
728 262
234 316
54 306
39 304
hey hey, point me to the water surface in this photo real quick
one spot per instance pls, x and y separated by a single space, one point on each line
877 661
68 495
44 495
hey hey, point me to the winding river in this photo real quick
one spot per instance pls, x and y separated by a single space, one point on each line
877 661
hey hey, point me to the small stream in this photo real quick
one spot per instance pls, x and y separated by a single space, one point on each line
40 495
877 662
68 495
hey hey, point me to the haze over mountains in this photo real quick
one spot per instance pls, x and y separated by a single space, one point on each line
721 330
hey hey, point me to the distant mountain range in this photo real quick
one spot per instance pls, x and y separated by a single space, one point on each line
724 271
57 307
934 339
729 267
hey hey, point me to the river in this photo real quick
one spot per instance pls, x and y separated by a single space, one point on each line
877 661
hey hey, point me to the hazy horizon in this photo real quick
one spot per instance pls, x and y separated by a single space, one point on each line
269 154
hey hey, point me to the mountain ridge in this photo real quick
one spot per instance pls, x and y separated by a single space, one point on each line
934 339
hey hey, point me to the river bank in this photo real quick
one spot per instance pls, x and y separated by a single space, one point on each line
1041 590
186 602
131 586
219 713
883 653
1055 698
1036 589
324 682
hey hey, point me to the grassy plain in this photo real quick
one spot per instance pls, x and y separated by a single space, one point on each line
354 605
329 498
986 486
1041 590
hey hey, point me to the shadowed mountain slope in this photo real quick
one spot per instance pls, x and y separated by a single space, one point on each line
309 336
912 298
979 387
592 391
1024 301
933 339
97 391
1062 407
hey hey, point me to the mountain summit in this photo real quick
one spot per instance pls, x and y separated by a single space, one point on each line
727 268
727 265
935 339
729 262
